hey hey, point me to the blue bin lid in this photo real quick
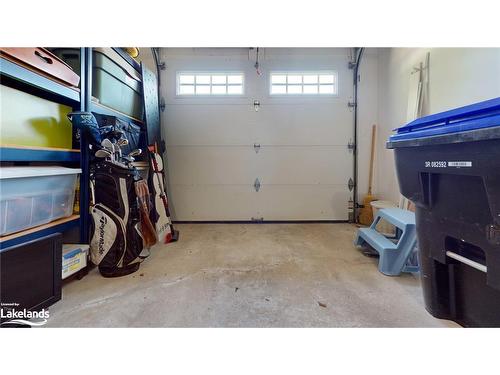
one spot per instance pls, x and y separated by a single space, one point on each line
471 117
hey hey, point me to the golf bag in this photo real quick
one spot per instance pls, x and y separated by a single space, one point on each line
117 244
160 215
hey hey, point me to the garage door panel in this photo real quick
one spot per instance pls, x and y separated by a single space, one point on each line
211 164
303 202
213 202
241 125
304 165
320 124
210 125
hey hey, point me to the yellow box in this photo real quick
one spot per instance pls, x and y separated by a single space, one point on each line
27 120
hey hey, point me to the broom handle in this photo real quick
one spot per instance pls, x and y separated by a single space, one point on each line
370 180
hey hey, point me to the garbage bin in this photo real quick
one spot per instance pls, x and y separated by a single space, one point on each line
448 164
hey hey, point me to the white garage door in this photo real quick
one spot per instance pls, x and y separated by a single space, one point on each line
219 148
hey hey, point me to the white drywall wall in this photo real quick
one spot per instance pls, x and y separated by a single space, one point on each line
367 114
457 77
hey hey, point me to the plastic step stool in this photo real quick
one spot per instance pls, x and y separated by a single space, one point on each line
393 252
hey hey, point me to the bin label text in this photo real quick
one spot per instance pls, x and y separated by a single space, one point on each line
460 164
435 164
445 164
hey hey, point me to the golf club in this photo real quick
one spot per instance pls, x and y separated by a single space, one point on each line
135 152
103 153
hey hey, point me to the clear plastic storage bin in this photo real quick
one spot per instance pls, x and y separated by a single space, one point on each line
32 196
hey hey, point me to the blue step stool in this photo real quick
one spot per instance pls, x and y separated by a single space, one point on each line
394 252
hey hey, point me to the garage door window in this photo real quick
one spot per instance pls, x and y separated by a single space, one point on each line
210 83
304 83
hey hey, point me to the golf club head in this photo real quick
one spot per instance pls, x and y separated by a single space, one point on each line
122 142
135 152
108 145
103 153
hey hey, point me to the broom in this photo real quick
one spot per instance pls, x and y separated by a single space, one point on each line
366 213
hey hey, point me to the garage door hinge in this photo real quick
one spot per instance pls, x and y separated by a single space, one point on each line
351 104
256 147
257 219
256 185
351 145
162 104
350 184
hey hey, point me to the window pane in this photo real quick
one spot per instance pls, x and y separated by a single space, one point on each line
311 79
186 89
295 89
278 78
278 89
210 83
305 83
294 79
203 90
186 79
326 89
235 89
310 89
203 79
326 78
235 79
219 89
219 79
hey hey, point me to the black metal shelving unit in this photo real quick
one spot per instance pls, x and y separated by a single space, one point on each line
29 81
26 80
38 249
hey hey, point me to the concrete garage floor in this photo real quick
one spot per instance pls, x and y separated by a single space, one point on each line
247 275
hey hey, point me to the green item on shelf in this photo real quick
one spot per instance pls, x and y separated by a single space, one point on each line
27 120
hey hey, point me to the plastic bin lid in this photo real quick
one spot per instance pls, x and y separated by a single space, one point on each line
23 172
114 56
70 250
475 116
